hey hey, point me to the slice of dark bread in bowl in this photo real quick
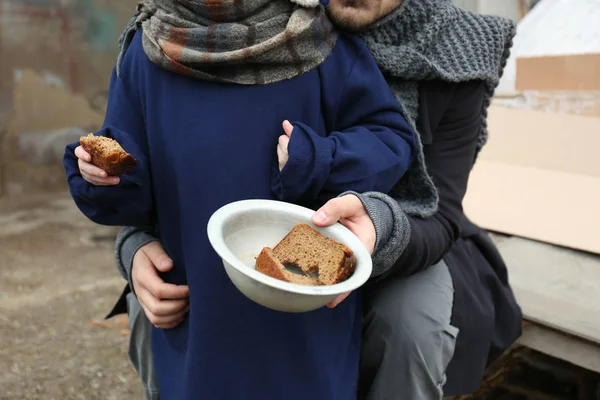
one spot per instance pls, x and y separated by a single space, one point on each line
306 257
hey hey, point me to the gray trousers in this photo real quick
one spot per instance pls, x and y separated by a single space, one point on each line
140 347
407 338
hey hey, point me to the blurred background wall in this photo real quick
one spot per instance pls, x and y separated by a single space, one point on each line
55 62
514 9
71 43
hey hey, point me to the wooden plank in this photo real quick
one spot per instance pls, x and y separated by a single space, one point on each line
559 345
557 314
555 287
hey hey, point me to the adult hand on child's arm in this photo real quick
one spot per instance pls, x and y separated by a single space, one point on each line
90 172
164 304
349 211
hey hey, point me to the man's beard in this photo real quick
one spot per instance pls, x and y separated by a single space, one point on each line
355 15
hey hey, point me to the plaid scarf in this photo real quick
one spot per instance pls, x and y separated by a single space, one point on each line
236 41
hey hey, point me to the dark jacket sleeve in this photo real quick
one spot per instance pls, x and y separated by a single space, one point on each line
450 132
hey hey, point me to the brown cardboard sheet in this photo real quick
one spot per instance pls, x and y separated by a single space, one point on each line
539 178
565 72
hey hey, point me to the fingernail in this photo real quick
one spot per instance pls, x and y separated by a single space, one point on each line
167 262
320 216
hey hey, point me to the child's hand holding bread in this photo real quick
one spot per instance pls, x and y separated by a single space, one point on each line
101 160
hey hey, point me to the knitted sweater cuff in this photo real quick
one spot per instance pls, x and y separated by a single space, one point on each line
129 241
392 229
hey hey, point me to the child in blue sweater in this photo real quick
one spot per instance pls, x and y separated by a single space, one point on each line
202 144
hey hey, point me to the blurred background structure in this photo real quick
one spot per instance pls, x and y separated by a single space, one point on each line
58 280
56 58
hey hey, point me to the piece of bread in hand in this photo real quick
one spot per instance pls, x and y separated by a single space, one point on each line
107 154
306 257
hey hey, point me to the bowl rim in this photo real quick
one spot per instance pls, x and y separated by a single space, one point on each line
360 276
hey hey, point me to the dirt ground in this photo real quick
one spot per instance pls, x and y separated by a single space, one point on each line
57 281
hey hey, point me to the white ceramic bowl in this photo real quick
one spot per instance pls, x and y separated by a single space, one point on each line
238 232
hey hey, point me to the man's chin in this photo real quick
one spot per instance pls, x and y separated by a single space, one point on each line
356 15
353 15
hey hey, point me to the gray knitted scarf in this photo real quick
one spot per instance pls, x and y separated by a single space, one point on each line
435 40
236 41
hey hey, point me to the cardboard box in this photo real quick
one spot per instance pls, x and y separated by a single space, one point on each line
539 177
565 72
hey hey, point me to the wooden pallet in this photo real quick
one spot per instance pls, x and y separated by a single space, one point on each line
559 292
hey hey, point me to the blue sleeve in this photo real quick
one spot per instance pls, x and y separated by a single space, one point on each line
130 202
370 146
